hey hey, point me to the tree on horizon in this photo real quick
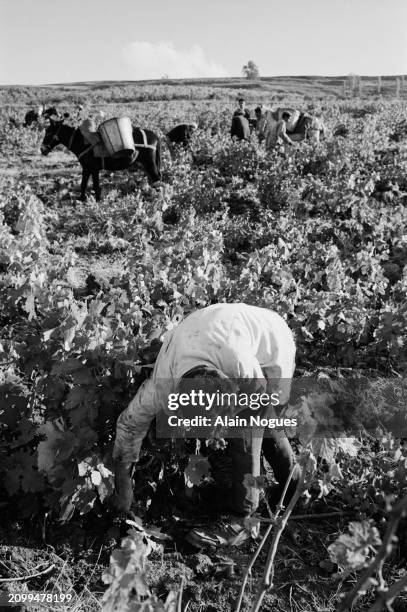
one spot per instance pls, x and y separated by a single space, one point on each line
251 70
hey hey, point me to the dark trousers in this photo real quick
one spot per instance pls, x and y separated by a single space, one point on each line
243 456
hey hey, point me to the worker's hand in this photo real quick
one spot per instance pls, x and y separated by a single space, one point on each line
123 496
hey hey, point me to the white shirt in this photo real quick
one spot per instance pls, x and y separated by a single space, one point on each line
240 340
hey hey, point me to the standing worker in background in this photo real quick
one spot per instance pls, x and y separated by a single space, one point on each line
240 128
220 344
242 110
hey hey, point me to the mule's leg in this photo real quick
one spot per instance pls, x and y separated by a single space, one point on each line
150 161
150 166
172 151
155 163
96 185
84 183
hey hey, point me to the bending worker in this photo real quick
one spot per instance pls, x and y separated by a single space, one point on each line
278 133
221 343
181 136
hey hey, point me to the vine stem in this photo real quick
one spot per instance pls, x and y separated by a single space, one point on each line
264 538
386 597
250 566
29 576
297 517
376 565
268 574
273 521
181 590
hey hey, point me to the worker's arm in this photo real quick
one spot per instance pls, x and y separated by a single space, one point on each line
131 429
123 486
282 133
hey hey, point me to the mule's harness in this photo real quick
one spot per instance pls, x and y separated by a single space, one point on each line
145 144
71 139
89 148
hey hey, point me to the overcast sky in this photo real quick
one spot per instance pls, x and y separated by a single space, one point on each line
53 41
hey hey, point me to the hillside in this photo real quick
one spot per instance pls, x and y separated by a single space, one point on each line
265 89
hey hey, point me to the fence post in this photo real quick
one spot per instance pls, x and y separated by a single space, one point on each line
379 84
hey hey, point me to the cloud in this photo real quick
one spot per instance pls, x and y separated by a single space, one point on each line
154 60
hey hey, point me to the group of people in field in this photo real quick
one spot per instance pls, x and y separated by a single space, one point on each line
278 128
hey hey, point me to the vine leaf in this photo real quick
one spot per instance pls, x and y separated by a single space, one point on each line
351 551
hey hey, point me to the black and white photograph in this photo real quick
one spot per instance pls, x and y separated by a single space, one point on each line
203 306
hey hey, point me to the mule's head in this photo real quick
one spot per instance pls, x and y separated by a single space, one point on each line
51 137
